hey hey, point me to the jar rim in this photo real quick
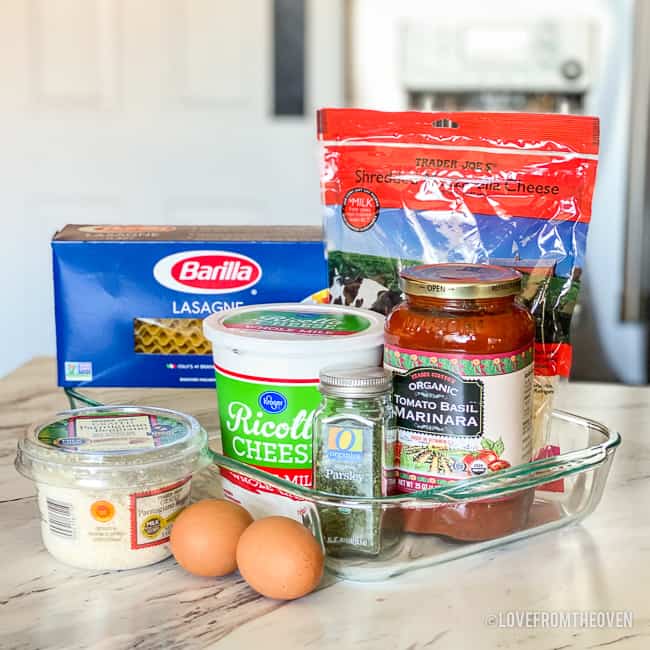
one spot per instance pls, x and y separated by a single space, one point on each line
355 381
461 281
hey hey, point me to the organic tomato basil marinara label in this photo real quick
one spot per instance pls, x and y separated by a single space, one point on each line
459 415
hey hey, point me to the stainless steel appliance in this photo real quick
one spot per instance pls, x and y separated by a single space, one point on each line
543 65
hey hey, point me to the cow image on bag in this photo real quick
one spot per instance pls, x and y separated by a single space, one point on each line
357 291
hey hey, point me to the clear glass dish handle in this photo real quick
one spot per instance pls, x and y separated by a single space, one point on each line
507 481
511 480
522 477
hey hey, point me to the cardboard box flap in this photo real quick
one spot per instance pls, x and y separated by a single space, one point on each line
143 233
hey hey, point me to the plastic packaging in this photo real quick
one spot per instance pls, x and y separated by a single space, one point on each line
509 189
111 480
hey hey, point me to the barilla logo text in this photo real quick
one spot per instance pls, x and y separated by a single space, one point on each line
207 272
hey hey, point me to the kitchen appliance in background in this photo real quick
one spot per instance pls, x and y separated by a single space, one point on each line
555 57
540 65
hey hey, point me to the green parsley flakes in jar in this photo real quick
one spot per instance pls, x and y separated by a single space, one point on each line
354 438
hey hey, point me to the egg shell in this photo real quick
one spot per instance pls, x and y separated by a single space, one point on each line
204 537
280 558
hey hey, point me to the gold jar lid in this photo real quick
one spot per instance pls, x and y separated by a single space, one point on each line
460 281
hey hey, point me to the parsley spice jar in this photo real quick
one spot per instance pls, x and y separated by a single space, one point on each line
354 437
461 350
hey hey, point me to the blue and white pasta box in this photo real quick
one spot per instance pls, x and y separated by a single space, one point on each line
129 300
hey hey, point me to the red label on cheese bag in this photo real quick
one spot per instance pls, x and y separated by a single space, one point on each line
510 189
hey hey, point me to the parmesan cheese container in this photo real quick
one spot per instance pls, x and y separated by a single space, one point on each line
267 359
111 480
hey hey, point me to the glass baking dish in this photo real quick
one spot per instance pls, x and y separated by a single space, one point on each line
406 532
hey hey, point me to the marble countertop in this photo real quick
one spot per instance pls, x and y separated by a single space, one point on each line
601 565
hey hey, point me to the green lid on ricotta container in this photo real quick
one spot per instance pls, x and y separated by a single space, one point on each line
113 446
294 329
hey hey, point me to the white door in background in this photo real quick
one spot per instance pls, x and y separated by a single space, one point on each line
126 111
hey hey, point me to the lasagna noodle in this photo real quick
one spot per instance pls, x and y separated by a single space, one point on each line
169 336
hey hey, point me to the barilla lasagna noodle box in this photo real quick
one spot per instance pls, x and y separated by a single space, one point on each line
130 300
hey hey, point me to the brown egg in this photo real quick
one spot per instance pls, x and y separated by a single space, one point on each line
204 537
280 558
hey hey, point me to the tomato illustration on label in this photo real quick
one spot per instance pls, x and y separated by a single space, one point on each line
488 457
496 447
469 459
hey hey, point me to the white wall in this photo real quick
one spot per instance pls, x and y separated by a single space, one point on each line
123 111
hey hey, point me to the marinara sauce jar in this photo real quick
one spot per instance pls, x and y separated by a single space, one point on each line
461 350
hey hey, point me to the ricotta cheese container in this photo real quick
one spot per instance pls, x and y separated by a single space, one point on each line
111 480
267 360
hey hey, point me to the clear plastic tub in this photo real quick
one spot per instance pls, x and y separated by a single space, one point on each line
550 492
111 480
